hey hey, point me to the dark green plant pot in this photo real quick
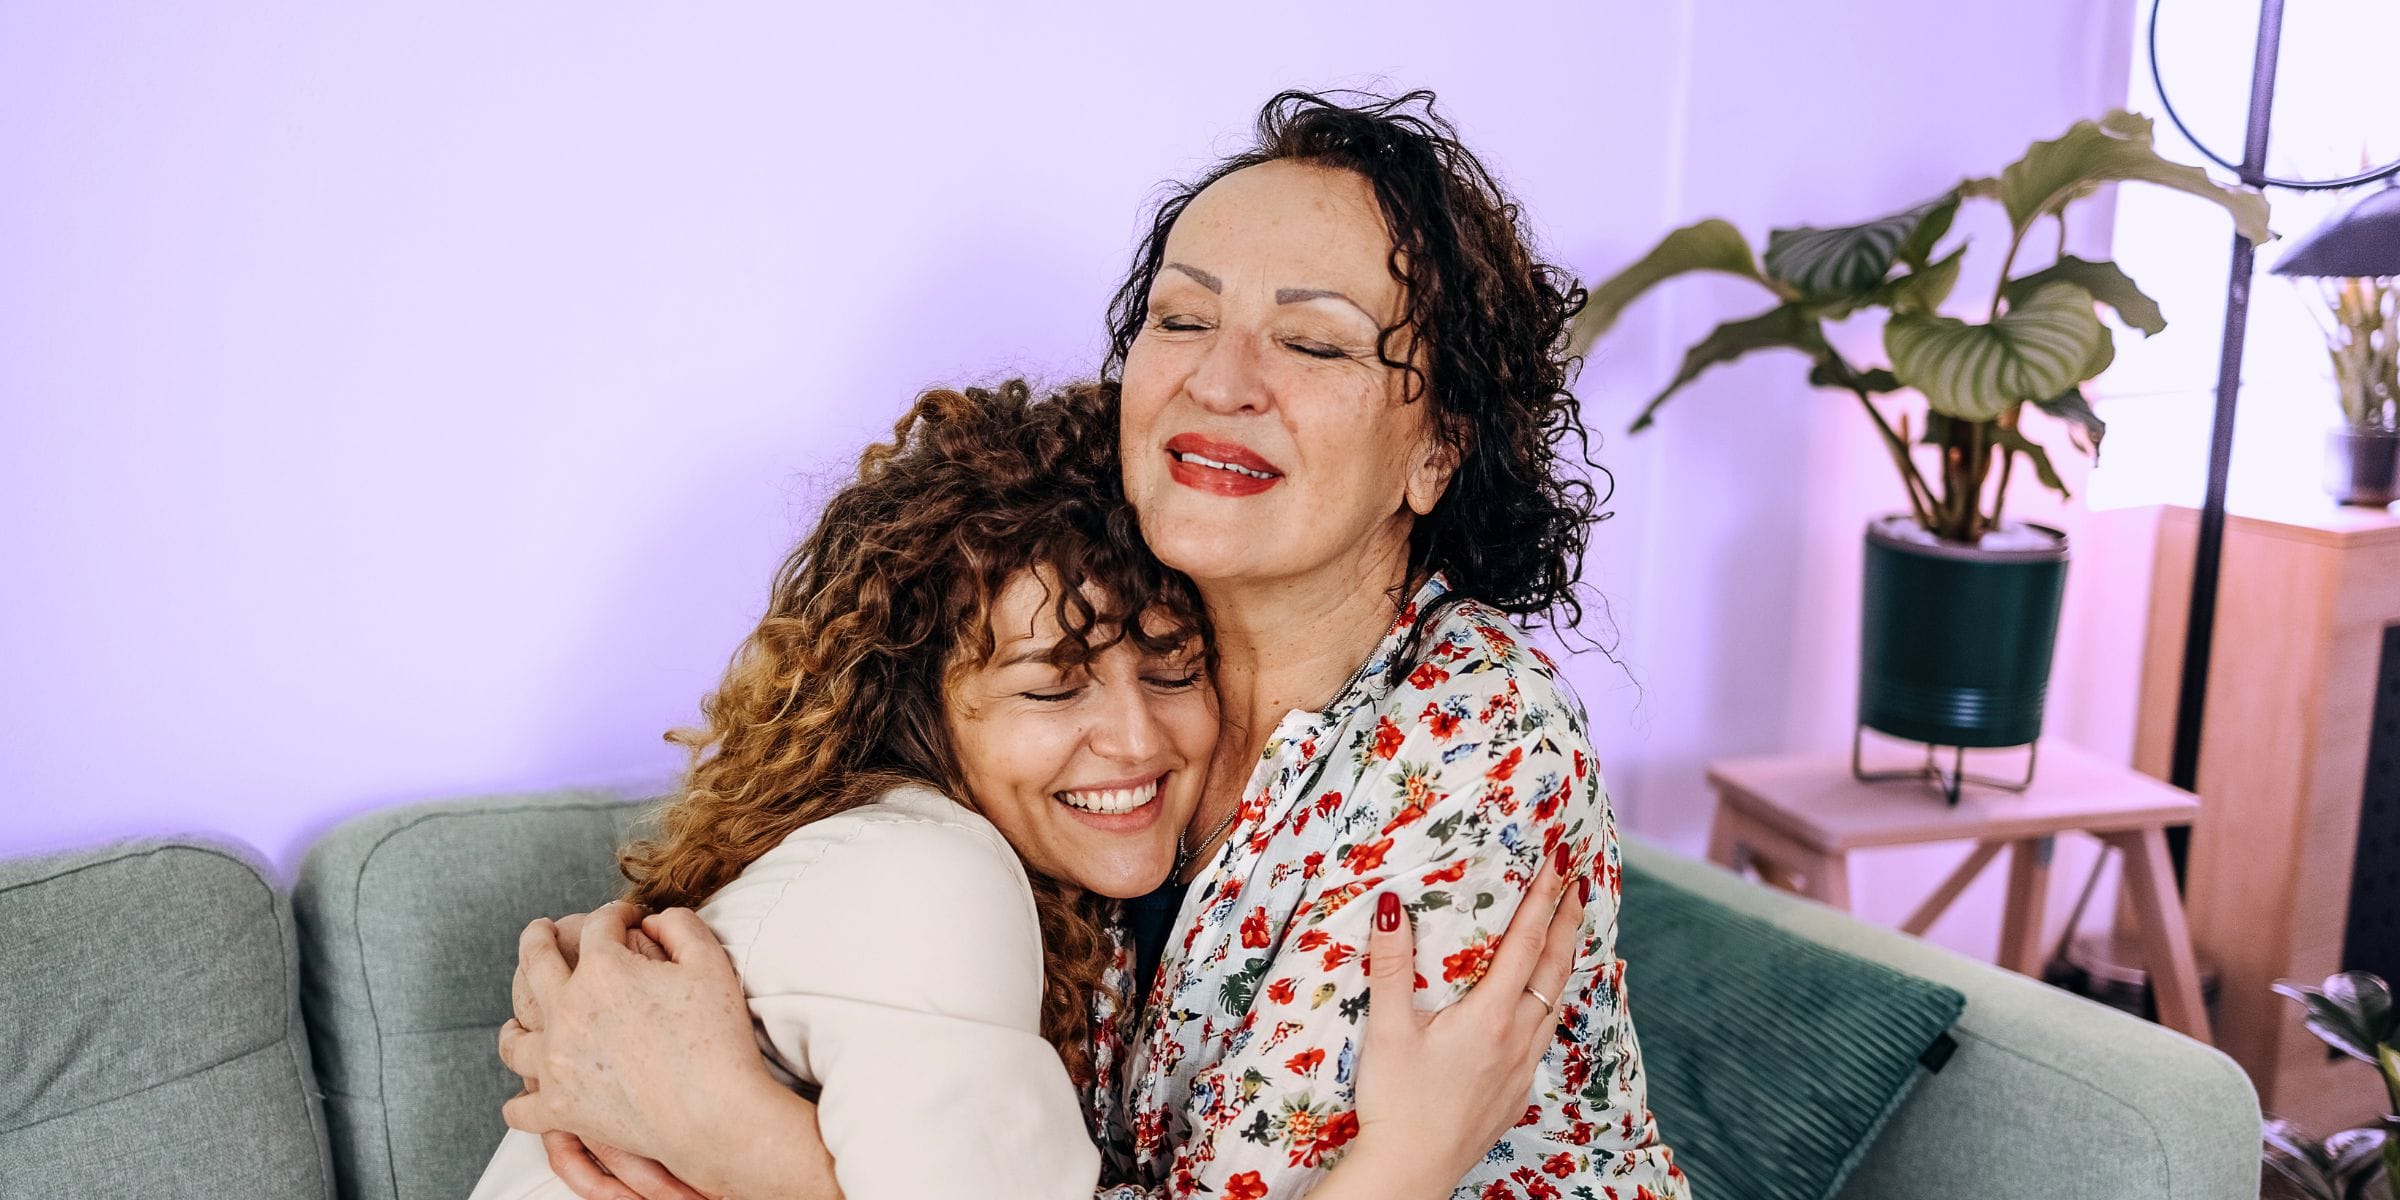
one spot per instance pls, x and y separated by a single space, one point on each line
1955 640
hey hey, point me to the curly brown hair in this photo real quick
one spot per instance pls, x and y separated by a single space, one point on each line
1487 319
841 691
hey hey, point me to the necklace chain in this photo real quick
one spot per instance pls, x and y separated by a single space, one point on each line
1183 854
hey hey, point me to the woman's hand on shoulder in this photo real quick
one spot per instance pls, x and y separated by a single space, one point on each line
639 1045
1437 1090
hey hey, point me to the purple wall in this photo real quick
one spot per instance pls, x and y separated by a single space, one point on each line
414 402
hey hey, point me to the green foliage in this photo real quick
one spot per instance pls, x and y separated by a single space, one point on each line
2346 1166
2039 340
1976 372
2353 1013
2116 148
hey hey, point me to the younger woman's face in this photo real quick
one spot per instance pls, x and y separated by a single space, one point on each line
1089 771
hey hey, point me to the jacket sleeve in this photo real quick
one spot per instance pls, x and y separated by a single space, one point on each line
898 963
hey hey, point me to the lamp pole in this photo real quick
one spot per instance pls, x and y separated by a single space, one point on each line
2200 626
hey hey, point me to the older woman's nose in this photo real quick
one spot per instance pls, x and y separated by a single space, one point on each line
1228 379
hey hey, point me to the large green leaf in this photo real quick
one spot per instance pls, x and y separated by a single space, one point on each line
2299 1159
2352 1012
2083 425
2107 283
1924 289
1850 260
2043 468
2117 147
1826 374
1784 326
1710 245
1976 372
2351 1151
1928 233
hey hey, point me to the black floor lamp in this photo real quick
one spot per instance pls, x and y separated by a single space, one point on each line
2364 240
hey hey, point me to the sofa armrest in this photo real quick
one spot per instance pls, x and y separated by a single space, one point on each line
2049 1094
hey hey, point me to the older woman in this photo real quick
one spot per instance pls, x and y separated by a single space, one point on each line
1343 403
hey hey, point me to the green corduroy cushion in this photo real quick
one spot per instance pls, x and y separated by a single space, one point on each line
1773 1060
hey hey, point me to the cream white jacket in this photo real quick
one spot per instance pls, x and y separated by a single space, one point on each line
891 956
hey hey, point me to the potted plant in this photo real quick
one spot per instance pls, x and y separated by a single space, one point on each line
2351 1012
2362 456
1961 604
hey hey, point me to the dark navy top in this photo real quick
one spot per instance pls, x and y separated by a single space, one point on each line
1150 920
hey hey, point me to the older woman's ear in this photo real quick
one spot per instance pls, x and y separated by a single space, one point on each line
1429 478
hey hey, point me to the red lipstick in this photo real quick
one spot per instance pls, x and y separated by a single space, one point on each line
1231 469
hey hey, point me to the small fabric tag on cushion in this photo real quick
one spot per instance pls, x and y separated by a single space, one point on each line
1773 1060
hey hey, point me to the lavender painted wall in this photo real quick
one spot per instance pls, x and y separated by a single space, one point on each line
414 401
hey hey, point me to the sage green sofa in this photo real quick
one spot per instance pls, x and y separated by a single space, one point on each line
172 1025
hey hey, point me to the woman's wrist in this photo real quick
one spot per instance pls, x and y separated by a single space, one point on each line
762 1145
1372 1171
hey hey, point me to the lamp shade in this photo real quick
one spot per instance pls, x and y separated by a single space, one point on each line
2361 240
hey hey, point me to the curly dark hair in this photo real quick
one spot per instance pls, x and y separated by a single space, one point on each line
840 692
1488 319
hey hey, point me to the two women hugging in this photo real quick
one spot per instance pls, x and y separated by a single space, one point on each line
1144 789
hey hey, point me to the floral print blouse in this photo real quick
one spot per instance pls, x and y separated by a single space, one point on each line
1451 784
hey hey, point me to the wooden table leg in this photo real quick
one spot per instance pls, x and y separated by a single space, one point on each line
1829 881
1724 838
1739 842
1947 894
2028 893
2174 971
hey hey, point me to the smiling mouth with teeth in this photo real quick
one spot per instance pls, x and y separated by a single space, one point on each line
1111 800
1198 461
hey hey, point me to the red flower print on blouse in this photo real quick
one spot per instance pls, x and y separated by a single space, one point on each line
1469 964
1335 1133
1254 929
1449 874
1507 766
1535 1186
1550 803
1444 725
1445 786
1367 857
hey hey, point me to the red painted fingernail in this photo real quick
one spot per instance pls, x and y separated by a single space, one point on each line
1387 912
1587 889
1560 860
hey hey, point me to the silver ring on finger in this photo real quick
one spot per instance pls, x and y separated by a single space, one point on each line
1547 1002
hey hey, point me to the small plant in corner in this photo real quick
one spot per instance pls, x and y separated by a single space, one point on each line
2351 1012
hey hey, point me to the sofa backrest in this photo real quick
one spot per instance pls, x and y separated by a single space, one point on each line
408 924
150 1031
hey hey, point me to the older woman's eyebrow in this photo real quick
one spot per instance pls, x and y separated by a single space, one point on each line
1297 295
1205 279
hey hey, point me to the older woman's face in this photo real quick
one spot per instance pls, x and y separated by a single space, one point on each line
1264 438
